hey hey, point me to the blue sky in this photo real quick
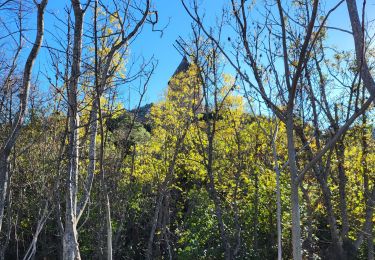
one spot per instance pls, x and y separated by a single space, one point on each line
171 12
150 43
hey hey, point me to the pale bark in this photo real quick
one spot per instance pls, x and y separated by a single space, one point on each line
7 233
360 47
70 239
6 148
31 250
92 159
278 195
4 179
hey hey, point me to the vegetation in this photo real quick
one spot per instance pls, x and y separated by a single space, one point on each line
262 148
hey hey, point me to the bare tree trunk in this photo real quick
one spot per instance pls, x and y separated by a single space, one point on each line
4 179
154 225
165 223
92 159
7 235
296 223
255 216
30 252
370 242
212 189
367 225
340 153
70 239
278 195
219 216
367 197
360 48
109 229
239 170
327 197
309 228
336 240
6 148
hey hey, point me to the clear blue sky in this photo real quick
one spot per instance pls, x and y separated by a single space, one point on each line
150 43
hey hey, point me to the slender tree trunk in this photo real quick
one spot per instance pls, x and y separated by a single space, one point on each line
92 159
335 236
327 197
237 224
370 242
359 43
340 153
165 224
367 197
278 197
31 250
6 148
256 212
296 222
7 234
109 229
214 196
70 239
4 179
319 169
219 216
309 228
154 225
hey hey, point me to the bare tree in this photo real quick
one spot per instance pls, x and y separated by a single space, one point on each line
103 80
11 139
70 239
